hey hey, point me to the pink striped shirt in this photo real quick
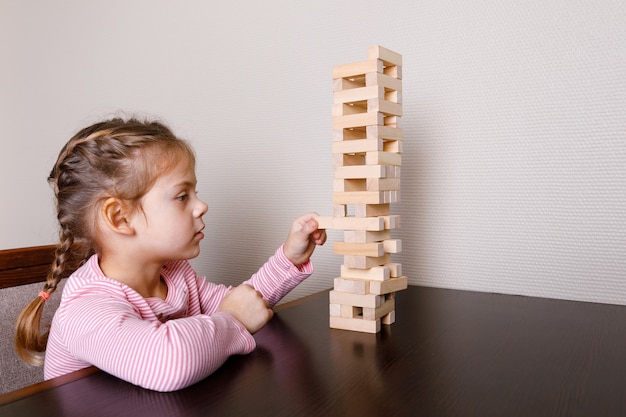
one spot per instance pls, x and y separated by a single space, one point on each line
163 345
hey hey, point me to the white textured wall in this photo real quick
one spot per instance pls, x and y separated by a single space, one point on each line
514 171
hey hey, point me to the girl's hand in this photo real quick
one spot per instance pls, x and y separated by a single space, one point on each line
248 306
302 239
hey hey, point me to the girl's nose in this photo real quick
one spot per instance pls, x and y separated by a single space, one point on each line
201 208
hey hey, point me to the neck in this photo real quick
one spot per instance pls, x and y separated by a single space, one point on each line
143 277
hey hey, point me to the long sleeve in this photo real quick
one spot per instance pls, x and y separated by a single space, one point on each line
278 276
158 356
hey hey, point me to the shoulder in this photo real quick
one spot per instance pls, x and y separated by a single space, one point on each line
89 275
89 281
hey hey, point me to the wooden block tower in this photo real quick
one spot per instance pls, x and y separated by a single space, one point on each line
367 147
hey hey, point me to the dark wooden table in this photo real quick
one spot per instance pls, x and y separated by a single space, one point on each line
450 353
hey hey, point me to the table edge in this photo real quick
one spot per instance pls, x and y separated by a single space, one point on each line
29 390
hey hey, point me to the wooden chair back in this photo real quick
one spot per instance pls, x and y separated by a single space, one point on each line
22 273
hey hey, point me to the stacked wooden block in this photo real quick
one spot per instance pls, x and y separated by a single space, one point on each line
367 147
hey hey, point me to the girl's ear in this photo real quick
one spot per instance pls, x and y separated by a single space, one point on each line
116 217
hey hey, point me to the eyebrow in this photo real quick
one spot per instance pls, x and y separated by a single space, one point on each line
186 184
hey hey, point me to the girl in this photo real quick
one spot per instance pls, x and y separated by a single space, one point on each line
125 194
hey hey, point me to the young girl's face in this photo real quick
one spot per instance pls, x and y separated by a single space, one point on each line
169 225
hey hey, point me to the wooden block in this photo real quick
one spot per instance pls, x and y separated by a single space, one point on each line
351 311
393 146
355 324
353 286
374 249
340 210
393 71
392 245
359 94
376 273
366 197
388 109
392 221
362 197
359 119
363 171
387 55
382 184
389 286
389 318
384 106
395 269
393 171
358 145
371 210
339 186
344 109
338 160
358 68
351 223
351 185
365 236
365 262
325 222
340 84
334 310
362 184
383 132
350 133
377 313
359 300
349 159
383 158
384 80
392 121
393 96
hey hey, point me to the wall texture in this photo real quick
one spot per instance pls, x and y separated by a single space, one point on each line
514 170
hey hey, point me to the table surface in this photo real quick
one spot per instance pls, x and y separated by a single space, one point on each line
450 353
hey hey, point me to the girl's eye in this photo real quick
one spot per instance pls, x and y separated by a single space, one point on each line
182 197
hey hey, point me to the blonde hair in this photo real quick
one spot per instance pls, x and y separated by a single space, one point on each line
114 158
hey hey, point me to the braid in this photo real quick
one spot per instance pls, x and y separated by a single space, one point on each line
62 257
30 342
